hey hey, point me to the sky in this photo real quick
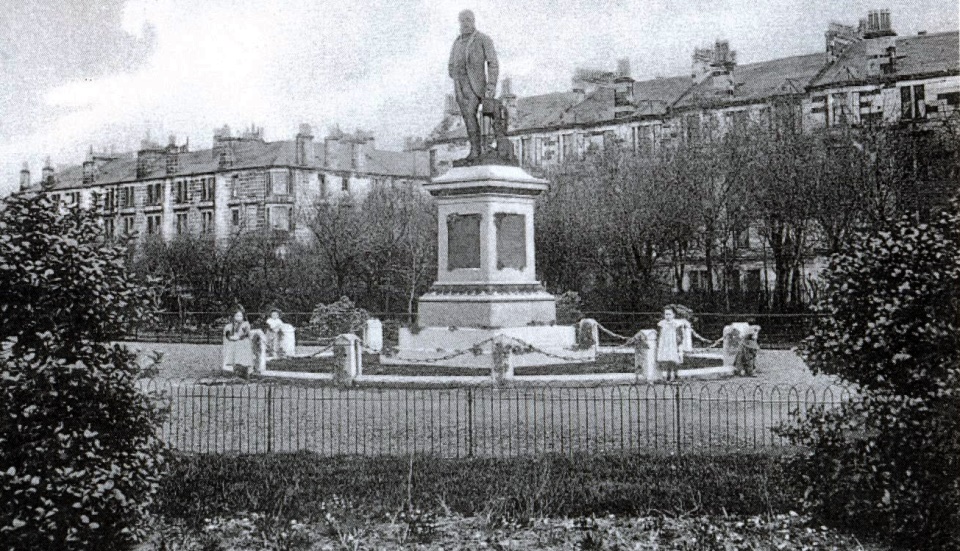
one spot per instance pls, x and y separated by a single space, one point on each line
76 74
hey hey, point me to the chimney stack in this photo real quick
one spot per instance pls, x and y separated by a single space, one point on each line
508 97
89 168
46 175
878 24
304 154
623 89
25 177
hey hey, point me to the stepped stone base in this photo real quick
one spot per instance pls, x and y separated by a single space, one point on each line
487 306
555 345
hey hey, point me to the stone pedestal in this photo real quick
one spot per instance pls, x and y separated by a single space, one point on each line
486 274
373 335
486 287
348 353
645 354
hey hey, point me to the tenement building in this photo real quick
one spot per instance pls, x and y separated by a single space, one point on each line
866 75
242 183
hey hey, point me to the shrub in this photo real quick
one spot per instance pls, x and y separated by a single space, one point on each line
59 277
330 320
889 464
79 457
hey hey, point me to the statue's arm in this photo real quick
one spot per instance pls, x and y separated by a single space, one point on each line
493 66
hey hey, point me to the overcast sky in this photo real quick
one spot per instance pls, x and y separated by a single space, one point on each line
76 73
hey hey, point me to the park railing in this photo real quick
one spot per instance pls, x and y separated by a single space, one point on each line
256 417
777 330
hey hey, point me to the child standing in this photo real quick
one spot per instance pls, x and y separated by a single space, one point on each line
237 354
669 341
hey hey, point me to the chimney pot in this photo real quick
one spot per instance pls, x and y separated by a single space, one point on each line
24 177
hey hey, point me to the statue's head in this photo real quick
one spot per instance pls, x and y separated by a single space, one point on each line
467 22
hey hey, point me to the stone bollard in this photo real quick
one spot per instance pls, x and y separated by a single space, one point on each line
645 354
348 355
502 368
588 335
258 346
373 335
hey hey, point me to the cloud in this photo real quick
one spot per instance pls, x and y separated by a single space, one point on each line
105 72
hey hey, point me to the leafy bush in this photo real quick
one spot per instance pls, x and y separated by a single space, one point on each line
59 277
568 308
889 464
79 457
337 318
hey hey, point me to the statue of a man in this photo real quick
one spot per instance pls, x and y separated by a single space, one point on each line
474 70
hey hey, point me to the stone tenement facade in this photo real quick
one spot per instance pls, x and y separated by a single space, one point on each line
866 75
242 183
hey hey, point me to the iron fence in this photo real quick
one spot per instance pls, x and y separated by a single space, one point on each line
257 417
777 330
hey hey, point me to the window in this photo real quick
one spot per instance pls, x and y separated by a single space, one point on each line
183 191
55 197
912 102
154 194
252 216
698 280
206 221
72 198
235 217
741 239
181 223
952 98
525 150
838 109
128 224
280 218
322 179
108 227
345 184
153 224
235 186
692 124
206 189
278 183
566 145
110 200
752 281
126 199
733 281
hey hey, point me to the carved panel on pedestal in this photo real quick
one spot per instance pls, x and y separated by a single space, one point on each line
463 241
511 240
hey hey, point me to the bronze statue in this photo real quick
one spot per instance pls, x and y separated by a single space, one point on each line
474 69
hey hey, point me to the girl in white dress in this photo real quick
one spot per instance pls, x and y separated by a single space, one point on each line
669 341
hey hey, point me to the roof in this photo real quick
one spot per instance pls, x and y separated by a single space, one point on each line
757 81
652 97
249 154
918 55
